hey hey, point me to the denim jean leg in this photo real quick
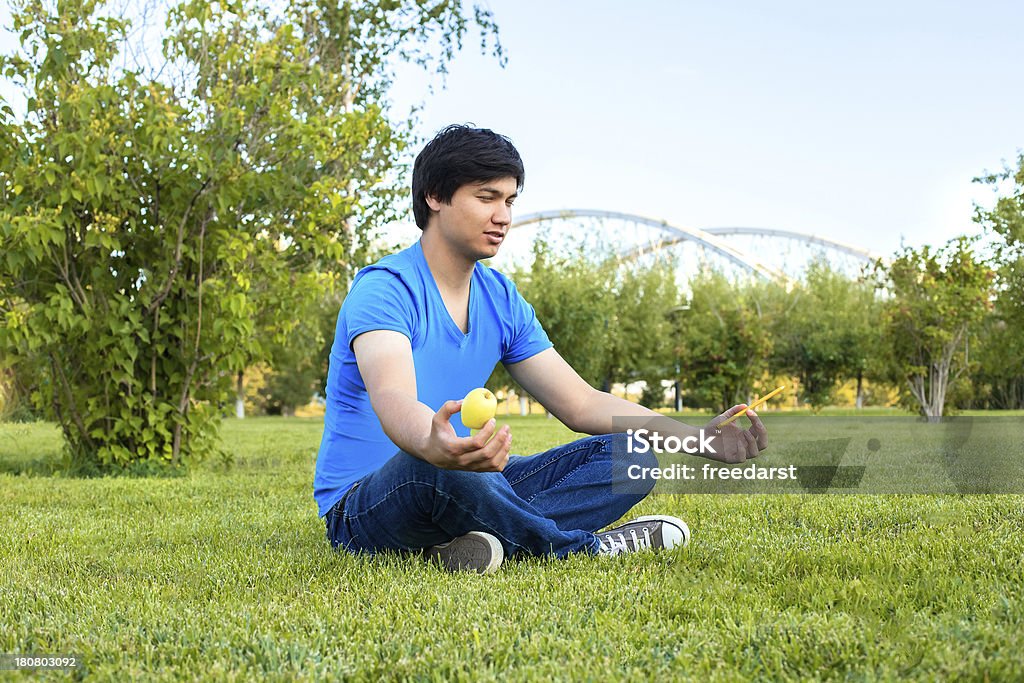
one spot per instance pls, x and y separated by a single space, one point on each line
409 504
576 484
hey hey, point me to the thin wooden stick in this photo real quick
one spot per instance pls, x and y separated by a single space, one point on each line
755 404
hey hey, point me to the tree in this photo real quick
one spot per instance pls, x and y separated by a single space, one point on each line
937 300
823 332
607 319
641 335
1000 379
572 296
724 342
159 237
998 358
1006 218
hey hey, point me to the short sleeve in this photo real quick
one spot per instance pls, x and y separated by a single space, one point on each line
528 337
379 300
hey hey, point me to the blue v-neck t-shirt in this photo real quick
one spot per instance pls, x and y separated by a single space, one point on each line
399 293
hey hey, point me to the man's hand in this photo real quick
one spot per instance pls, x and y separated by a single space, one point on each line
735 445
477 453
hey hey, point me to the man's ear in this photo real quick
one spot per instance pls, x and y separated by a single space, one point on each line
433 202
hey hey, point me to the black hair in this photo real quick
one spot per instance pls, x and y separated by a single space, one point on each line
457 156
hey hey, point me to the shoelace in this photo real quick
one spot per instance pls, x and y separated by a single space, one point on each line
620 544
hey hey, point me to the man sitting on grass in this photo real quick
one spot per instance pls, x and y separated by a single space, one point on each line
424 326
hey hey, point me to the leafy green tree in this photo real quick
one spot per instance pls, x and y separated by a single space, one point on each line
608 320
1006 218
289 388
642 335
291 374
937 301
999 381
824 331
998 359
724 343
158 237
572 296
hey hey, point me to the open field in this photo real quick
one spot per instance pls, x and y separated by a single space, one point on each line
224 573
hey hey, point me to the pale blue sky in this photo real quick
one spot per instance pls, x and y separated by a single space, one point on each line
863 122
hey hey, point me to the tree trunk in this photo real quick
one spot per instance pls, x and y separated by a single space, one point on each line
524 406
240 395
860 390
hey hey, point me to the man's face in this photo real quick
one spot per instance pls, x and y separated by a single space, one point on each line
476 221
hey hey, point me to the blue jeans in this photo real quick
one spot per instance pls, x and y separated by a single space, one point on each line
545 504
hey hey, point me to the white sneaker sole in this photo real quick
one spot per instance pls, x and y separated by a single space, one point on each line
477 551
672 540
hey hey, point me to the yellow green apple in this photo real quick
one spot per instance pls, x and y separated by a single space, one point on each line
478 407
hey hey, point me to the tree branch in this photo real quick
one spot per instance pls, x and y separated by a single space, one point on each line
193 366
58 371
165 290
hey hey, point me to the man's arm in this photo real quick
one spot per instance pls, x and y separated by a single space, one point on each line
561 390
582 408
385 363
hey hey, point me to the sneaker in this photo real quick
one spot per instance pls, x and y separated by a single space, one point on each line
654 532
477 552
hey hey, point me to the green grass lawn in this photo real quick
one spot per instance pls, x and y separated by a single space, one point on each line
225 574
